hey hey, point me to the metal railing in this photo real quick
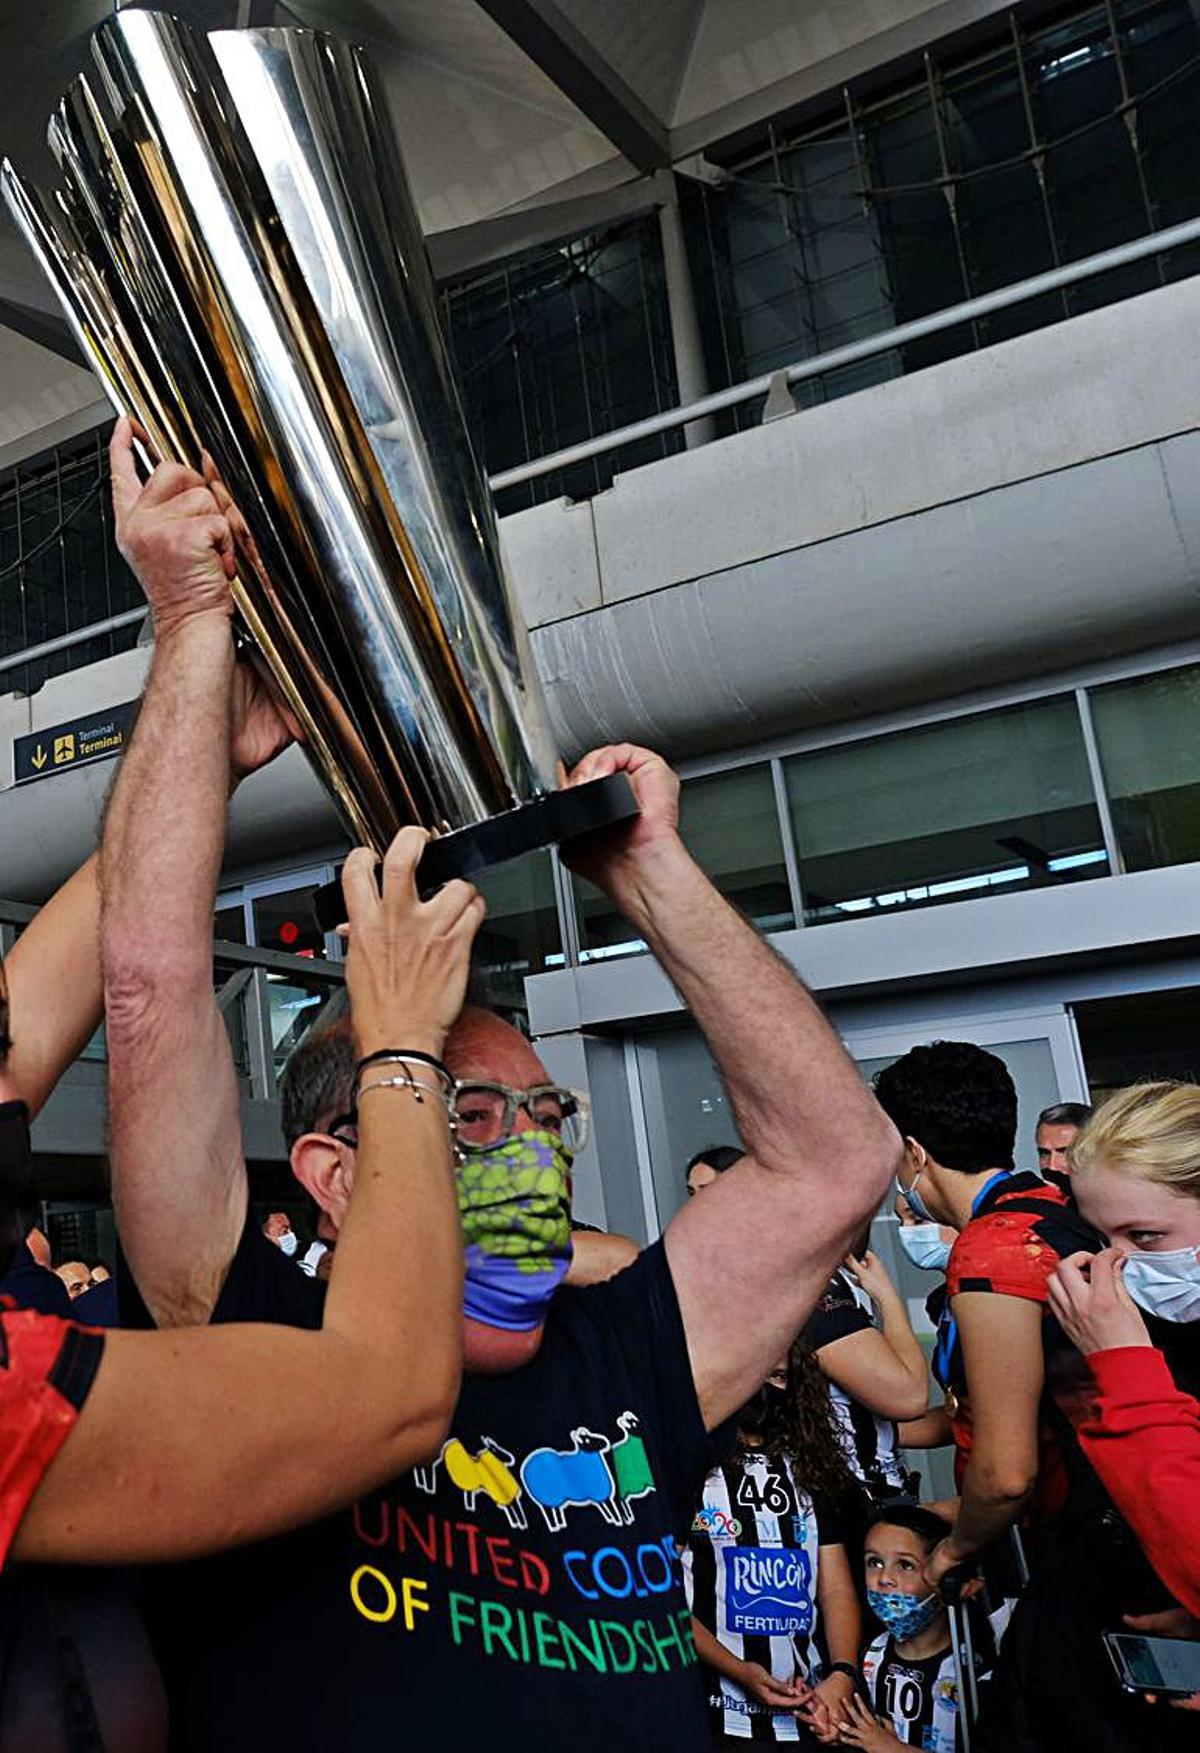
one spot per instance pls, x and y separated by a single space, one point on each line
270 1001
770 386
1153 244
64 641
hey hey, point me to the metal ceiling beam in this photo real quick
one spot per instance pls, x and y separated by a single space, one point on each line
467 248
48 331
566 56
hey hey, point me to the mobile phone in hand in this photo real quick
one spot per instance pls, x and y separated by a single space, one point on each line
1166 1665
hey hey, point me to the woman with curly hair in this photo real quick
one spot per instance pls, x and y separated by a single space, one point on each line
775 1614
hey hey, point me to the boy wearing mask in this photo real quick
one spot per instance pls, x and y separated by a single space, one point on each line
909 1669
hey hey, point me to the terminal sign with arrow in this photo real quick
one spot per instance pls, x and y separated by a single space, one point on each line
60 748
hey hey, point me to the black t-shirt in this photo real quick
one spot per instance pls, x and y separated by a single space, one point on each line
523 1591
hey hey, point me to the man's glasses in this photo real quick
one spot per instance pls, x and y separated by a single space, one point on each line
485 1114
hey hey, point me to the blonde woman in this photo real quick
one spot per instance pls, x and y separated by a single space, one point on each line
1122 1551
1137 1178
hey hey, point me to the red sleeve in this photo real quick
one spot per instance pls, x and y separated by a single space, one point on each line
1001 1253
1143 1438
47 1366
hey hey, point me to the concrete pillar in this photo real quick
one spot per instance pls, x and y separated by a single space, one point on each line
688 348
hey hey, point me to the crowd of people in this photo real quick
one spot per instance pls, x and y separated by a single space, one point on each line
464 1471
1066 1364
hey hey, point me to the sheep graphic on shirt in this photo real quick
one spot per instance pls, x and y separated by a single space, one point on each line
488 1471
561 1479
631 1465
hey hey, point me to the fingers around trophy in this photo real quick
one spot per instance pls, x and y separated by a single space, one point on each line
221 536
599 764
400 863
126 482
169 481
468 922
360 891
453 899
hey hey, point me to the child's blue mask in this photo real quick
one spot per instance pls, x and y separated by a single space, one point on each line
904 1615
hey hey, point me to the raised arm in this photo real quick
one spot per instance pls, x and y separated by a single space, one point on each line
179 1185
194 1440
53 979
771 1230
884 1368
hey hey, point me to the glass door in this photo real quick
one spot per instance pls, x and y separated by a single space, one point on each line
678 1089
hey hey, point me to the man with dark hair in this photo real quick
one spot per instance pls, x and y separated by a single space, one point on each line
1057 1129
522 1589
955 1106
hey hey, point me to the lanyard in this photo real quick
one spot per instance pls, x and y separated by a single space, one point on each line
981 1196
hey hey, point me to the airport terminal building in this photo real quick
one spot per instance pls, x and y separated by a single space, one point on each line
835 369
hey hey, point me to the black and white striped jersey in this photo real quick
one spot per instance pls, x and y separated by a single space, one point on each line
918 1700
870 1443
751 1570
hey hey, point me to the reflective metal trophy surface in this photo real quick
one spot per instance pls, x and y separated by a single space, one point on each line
238 253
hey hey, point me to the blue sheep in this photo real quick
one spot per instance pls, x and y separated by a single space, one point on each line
562 1479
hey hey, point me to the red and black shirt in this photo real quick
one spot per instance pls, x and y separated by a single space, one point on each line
47 1366
1021 1227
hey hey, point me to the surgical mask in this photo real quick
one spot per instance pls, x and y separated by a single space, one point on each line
1166 1285
923 1244
916 1204
514 1202
288 1242
904 1615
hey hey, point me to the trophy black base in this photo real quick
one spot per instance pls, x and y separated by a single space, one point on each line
557 817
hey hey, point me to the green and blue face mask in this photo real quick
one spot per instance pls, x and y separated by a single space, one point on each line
514 1199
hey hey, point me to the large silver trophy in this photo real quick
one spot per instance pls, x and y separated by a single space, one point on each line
238 253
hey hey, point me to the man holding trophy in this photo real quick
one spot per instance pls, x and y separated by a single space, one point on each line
237 249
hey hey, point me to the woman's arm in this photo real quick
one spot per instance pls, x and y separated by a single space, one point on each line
841 1619
195 1439
930 1431
865 1366
595 1258
884 1368
54 987
1141 1435
755 1680
1143 1439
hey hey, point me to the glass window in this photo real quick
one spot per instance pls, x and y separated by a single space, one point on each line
730 825
991 166
975 806
1149 737
293 1005
1002 212
520 935
59 561
562 344
229 923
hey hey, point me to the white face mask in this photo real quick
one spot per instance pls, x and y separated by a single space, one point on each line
1166 1285
289 1242
924 1246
